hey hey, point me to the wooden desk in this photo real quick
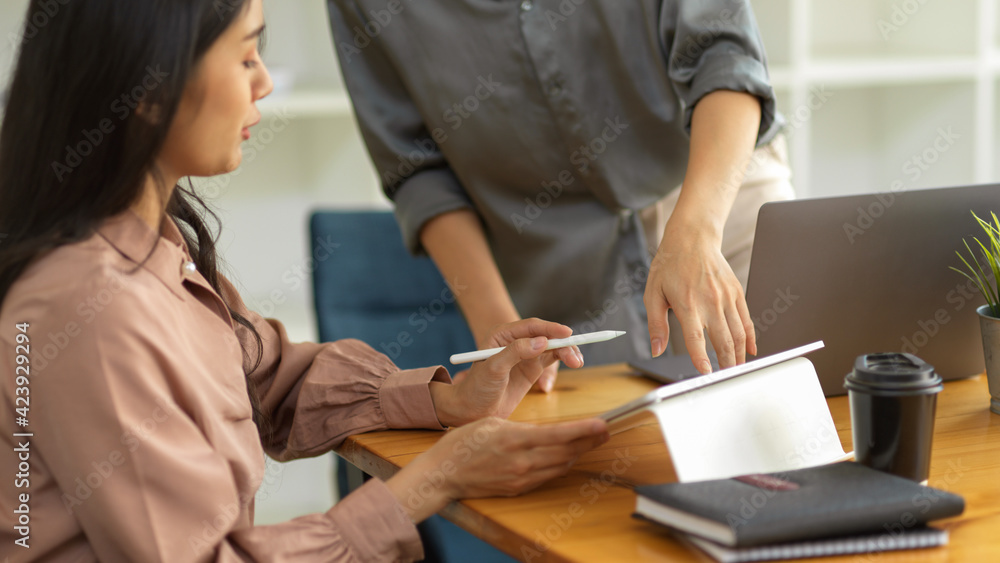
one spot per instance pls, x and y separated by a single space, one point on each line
585 516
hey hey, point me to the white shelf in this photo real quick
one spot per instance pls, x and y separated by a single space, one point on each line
307 104
877 72
992 61
781 77
892 28
866 84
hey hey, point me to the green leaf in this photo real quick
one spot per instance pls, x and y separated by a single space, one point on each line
974 277
994 268
991 254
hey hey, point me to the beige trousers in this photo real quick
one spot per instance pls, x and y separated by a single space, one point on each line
768 178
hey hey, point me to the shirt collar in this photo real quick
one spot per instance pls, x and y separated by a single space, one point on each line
163 254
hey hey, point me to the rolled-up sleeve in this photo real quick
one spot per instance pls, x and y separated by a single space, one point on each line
716 45
316 395
411 168
427 195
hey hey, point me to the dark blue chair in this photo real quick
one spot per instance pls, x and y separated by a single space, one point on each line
370 288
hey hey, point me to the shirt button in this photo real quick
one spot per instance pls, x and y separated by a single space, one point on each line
625 218
556 87
190 267
526 5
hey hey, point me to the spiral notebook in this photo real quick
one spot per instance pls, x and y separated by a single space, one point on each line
869 545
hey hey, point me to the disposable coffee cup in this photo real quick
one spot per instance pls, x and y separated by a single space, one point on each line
893 398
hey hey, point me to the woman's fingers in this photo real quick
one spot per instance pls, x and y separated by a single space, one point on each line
523 456
458 377
528 328
528 436
570 356
547 380
499 365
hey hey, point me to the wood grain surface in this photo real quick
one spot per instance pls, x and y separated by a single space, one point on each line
586 515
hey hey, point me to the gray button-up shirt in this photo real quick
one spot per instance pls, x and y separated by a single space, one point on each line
554 120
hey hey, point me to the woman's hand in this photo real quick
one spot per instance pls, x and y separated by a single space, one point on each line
547 380
690 275
493 387
492 457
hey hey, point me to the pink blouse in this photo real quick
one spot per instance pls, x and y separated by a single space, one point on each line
142 446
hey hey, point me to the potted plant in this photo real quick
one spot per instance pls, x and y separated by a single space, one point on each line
985 279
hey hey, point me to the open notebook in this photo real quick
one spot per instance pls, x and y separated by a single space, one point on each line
766 415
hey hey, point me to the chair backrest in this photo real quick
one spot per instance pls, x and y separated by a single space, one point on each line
367 286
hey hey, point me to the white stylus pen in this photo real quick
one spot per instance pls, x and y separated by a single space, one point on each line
554 343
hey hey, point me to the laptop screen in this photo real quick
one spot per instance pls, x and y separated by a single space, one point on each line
867 274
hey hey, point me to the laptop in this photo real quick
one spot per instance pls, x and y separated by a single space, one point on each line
670 368
870 273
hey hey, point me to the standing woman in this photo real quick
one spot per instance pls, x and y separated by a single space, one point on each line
147 393
591 162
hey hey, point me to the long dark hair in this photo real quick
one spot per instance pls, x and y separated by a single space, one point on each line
73 151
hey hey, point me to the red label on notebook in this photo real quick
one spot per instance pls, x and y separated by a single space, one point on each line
767 482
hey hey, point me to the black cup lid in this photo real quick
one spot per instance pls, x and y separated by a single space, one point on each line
892 370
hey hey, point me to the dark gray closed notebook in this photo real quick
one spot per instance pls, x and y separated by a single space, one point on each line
812 503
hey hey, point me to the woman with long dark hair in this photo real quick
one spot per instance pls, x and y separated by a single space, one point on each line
139 393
